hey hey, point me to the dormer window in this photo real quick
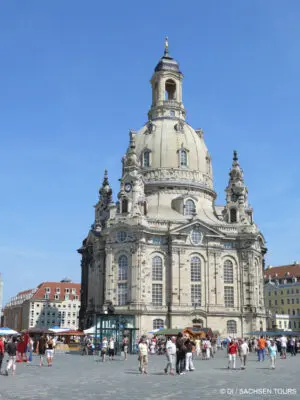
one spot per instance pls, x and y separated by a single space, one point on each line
183 158
189 207
146 158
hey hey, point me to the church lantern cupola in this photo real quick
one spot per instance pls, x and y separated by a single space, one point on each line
167 88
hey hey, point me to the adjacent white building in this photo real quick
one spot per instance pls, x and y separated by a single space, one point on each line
165 254
50 304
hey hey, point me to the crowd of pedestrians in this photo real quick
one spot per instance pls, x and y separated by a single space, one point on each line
180 350
21 349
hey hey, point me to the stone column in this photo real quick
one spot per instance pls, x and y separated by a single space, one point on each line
210 278
133 279
108 297
219 283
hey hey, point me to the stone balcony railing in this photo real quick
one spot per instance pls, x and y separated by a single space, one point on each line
177 176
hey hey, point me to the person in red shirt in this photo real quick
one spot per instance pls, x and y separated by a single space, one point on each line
232 351
2 349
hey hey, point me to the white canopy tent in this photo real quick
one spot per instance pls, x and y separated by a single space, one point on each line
90 331
7 331
57 329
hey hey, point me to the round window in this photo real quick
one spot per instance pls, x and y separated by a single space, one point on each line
196 236
121 236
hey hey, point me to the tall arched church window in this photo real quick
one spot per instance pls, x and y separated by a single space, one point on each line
195 269
123 268
158 323
146 158
183 158
170 90
124 206
157 281
233 215
189 207
231 327
228 272
196 279
157 269
122 280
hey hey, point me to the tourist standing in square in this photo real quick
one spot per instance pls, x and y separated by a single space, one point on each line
272 353
143 355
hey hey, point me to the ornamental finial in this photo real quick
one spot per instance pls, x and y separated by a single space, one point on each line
166 46
235 156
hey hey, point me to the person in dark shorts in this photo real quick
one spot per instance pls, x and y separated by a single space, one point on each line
12 355
41 347
111 348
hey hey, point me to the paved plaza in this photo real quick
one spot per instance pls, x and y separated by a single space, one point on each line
74 377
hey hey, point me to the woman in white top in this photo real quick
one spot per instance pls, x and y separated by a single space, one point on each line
104 348
111 348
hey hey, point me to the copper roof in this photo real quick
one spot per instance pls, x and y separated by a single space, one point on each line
283 271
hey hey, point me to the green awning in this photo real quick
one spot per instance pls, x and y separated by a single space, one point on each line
169 332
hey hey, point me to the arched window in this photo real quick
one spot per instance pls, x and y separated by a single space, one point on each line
233 215
124 206
157 269
146 158
196 277
228 272
195 269
123 268
157 277
170 92
189 207
158 323
122 278
231 326
183 158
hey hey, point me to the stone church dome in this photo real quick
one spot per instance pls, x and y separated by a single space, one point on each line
173 146
169 150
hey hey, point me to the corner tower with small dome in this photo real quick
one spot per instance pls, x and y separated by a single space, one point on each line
163 254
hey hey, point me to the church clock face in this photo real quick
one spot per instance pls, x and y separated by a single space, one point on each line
127 187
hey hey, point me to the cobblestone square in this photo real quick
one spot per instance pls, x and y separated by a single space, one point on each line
74 377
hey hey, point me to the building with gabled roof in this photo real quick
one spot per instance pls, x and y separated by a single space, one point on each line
282 296
49 304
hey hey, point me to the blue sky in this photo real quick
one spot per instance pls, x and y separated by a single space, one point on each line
74 78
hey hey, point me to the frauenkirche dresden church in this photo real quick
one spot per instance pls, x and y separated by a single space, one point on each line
164 255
